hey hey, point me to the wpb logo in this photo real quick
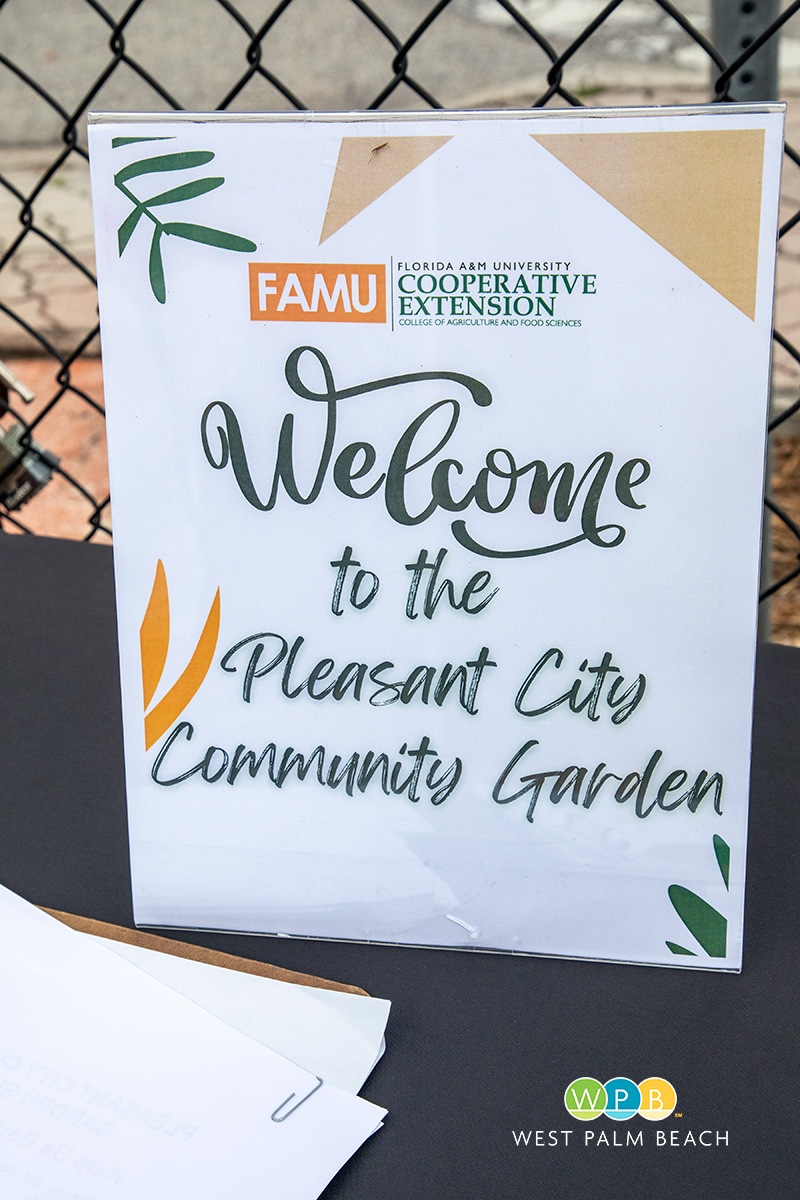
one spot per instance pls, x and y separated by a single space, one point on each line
318 292
587 1099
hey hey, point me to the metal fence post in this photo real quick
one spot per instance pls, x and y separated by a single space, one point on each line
735 24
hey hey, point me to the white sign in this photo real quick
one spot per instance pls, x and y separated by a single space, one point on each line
437 455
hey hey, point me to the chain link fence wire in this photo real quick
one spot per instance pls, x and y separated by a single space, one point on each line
61 58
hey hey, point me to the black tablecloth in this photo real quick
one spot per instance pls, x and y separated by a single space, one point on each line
479 1046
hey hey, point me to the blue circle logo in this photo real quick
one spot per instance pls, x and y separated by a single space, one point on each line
624 1099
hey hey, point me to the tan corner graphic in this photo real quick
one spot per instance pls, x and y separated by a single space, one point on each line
366 168
696 193
154 643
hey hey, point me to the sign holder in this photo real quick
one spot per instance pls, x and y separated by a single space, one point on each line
437 451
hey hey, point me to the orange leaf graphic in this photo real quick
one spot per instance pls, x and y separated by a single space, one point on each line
167 710
154 635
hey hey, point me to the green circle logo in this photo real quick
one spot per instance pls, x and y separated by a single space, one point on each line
585 1099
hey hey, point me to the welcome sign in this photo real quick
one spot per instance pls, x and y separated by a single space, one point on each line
437 453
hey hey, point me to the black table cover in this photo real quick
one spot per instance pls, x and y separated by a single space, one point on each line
480 1046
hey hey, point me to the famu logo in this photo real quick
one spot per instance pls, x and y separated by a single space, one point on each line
318 292
620 1098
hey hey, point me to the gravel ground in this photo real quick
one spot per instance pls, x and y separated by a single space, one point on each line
785 610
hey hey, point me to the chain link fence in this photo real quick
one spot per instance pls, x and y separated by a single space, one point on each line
61 58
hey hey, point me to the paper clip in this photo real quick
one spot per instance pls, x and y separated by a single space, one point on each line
295 1107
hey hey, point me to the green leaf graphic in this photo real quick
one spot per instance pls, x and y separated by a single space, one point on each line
128 141
723 853
157 268
183 160
186 191
211 237
180 161
704 922
676 949
127 227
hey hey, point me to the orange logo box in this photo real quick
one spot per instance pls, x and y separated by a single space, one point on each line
318 292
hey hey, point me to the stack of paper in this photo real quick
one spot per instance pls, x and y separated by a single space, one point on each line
114 1084
336 1035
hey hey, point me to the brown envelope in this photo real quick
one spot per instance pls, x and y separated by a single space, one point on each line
151 941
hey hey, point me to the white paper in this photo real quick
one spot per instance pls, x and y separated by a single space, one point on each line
112 1084
336 1035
